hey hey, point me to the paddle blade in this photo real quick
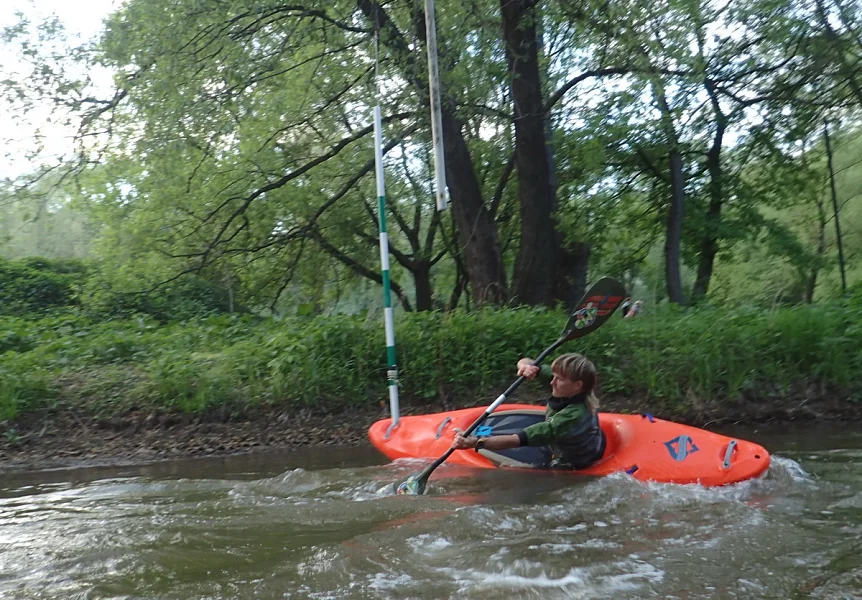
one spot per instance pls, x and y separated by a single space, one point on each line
413 485
596 307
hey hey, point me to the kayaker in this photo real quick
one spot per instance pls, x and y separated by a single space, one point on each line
570 430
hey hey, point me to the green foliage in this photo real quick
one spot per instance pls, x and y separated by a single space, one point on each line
465 352
35 285
189 297
23 387
256 159
731 354
797 238
674 357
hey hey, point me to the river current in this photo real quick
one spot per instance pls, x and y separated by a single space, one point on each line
315 525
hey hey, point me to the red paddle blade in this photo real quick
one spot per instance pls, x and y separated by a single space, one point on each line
596 307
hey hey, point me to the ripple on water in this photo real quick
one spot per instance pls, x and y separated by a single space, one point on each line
533 578
327 534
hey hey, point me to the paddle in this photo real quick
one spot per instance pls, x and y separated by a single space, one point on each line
596 307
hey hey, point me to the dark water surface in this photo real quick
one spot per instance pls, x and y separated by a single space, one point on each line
312 525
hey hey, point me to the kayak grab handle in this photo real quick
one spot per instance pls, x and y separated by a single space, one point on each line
442 425
728 453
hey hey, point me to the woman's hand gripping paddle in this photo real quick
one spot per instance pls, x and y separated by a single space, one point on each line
596 307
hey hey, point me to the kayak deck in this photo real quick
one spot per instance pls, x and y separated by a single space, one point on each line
647 448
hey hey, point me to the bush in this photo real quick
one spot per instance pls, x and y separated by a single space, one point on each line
36 285
186 298
670 355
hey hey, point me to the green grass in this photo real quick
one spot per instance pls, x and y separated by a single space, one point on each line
670 356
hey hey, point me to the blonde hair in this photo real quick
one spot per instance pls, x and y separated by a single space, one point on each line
578 367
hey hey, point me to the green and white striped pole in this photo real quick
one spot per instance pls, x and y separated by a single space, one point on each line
392 367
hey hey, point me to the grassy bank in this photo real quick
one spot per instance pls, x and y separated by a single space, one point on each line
674 358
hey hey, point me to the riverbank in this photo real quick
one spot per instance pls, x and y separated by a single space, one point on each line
76 389
68 439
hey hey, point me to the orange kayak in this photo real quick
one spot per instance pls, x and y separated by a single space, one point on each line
647 448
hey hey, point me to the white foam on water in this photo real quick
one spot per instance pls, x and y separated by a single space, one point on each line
748 495
508 580
571 528
752 585
553 548
300 486
429 546
578 582
296 481
435 543
499 555
563 548
599 544
490 519
608 494
384 491
321 561
388 581
643 573
784 469
360 492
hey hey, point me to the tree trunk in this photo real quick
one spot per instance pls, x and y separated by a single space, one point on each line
834 194
709 243
673 239
424 290
477 231
811 284
571 280
537 263
676 208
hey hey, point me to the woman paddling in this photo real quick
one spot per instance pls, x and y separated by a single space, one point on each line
570 430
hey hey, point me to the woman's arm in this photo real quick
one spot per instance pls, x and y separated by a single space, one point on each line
494 442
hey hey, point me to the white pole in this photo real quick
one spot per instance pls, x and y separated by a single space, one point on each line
434 92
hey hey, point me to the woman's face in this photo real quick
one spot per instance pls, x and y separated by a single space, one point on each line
563 387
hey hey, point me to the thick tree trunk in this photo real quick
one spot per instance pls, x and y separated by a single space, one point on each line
537 263
708 249
423 287
571 280
457 290
477 231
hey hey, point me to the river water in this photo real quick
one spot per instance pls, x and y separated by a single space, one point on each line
313 525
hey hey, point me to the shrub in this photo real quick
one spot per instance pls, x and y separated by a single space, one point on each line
36 285
668 354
